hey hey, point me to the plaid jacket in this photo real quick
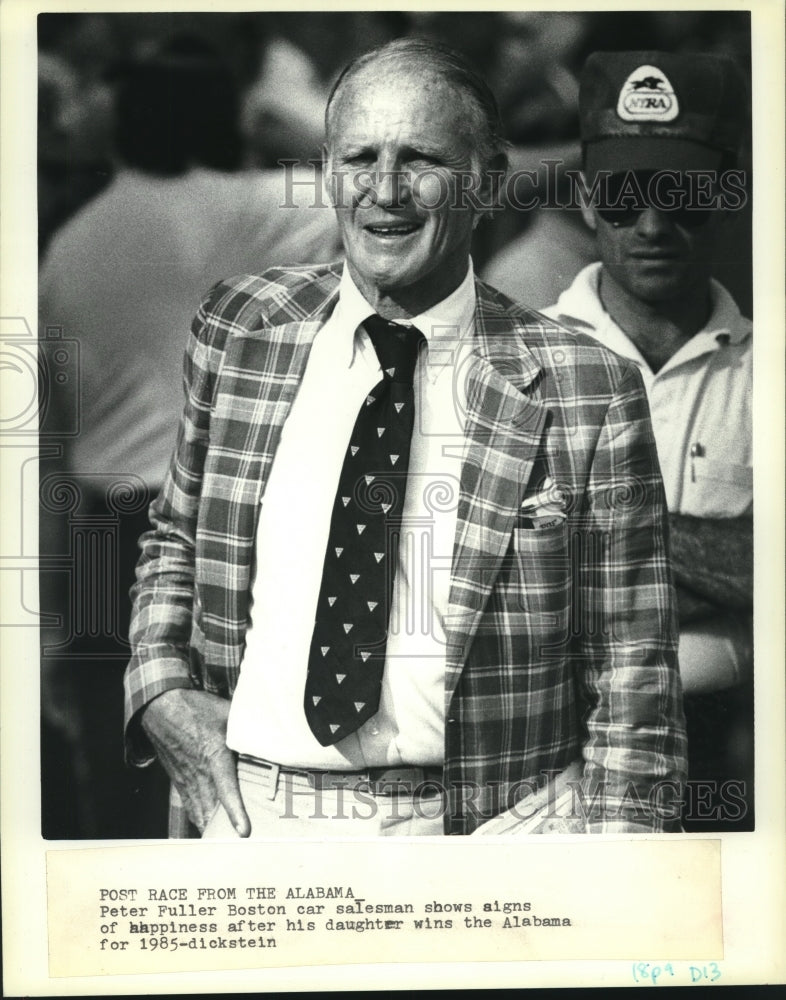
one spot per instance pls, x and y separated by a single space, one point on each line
561 640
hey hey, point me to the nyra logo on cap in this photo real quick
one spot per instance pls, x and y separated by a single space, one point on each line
647 96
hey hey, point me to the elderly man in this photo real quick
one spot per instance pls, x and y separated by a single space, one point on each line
355 619
661 134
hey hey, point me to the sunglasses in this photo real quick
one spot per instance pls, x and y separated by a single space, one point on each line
627 196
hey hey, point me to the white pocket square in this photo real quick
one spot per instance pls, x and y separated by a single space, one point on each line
550 501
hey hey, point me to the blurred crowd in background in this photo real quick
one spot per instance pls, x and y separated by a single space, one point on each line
285 63
265 93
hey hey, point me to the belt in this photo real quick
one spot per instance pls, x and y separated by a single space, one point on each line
404 780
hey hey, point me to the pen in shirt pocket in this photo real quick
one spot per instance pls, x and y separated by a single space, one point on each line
696 451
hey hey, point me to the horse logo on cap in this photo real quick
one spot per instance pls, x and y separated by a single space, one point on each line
647 96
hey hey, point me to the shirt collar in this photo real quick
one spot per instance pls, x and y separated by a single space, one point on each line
726 318
580 306
447 321
453 317
352 308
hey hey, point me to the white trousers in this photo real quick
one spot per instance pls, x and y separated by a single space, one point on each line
283 806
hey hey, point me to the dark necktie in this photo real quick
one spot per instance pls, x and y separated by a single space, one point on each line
347 654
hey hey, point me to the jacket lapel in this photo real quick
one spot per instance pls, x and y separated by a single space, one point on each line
503 430
290 344
264 368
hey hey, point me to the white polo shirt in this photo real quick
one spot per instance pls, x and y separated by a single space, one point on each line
700 402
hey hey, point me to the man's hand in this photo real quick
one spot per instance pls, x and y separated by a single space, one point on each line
188 731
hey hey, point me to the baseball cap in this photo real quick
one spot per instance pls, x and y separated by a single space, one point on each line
660 110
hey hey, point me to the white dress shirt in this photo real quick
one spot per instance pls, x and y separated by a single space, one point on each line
266 718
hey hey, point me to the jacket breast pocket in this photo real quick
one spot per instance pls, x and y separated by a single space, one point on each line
542 559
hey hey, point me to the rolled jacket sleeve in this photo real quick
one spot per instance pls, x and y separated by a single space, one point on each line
163 595
635 748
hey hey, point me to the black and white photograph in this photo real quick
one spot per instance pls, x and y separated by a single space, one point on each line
380 448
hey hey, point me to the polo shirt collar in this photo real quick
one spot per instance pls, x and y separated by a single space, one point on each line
580 306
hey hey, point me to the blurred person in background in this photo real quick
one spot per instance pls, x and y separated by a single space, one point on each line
122 278
538 251
654 116
530 58
300 56
75 97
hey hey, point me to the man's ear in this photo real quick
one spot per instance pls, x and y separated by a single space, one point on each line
587 211
328 182
491 181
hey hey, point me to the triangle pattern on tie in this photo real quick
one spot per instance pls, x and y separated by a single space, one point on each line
347 657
